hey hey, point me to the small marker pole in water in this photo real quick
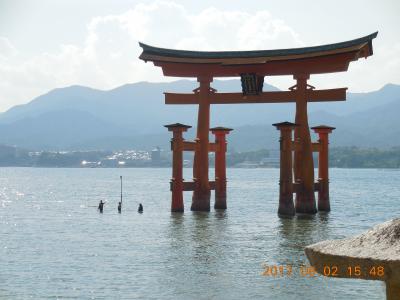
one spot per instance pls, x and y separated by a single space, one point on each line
120 203
121 188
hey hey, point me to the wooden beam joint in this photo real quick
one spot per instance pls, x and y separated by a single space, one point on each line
190 185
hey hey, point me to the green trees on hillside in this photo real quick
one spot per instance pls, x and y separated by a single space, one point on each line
354 157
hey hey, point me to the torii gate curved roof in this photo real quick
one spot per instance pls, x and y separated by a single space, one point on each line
308 60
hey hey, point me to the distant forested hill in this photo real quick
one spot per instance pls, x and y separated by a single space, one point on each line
133 115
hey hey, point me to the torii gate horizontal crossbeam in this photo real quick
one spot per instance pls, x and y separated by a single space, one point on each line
264 97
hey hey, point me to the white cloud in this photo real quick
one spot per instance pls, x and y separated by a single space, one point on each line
109 55
6 49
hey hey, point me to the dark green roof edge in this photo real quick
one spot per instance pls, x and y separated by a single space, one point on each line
255 53
285 124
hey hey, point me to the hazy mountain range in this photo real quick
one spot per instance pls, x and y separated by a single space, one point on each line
133 115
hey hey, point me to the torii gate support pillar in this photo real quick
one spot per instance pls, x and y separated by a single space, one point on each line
220 165
323 167
177 165
286 206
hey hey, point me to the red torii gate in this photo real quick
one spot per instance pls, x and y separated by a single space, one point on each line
252 67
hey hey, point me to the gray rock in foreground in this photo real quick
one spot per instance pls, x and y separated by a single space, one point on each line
373 255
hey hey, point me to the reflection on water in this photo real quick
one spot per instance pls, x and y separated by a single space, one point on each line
202 240
177 220
296 233
54 243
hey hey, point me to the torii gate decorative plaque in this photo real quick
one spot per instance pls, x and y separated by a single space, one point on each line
252 67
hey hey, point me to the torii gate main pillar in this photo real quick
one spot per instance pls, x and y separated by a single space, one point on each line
303 157
202 191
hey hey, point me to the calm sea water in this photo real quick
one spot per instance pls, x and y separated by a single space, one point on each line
55 245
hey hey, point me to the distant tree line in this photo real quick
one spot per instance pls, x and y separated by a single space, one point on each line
234 158
354 157
67 159
16 157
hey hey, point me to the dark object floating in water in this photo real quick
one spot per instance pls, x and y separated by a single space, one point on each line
140 208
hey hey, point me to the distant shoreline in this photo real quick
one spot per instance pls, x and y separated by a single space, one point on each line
168 167
339 157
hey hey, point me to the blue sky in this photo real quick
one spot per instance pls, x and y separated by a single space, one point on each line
55 43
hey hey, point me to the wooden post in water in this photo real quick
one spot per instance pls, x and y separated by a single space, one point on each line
177 165
220 166
323 166
286 206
